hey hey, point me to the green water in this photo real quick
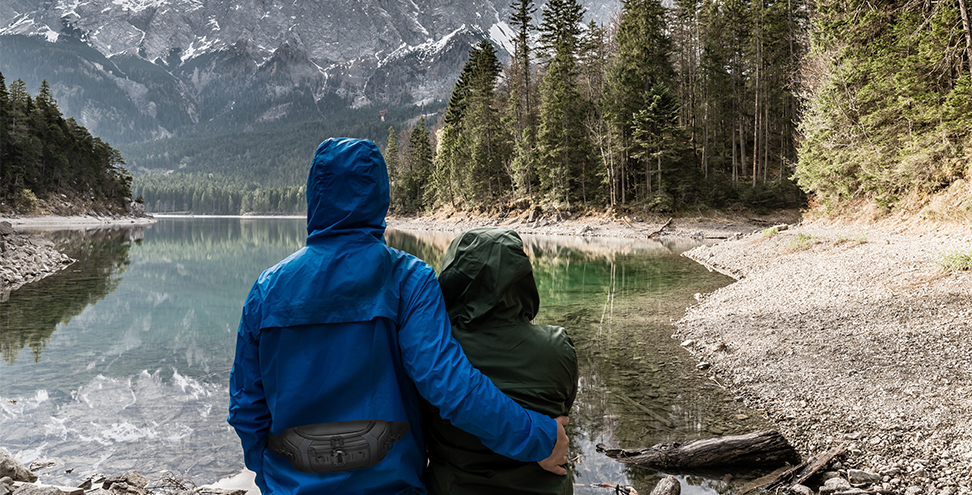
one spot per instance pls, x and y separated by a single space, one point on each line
121 361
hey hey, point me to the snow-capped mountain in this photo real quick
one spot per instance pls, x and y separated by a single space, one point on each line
183 62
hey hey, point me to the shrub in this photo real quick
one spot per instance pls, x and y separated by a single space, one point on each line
802 241
25 201
957 260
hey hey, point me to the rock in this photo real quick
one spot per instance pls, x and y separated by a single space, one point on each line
41 464
858 477
913 490
6 229
801 490
221 491
14 469
133 478
32 489
891 472
130 483
834 485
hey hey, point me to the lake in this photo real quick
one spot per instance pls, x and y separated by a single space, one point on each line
122 360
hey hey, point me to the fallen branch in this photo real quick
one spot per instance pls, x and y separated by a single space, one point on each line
795 475
659 231
652 234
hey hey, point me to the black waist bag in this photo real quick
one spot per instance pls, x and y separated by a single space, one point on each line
343 446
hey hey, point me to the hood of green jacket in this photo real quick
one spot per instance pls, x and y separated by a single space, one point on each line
487 275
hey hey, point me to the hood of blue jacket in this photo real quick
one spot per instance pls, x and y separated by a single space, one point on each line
347 190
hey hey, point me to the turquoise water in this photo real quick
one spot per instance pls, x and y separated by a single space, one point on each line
121 361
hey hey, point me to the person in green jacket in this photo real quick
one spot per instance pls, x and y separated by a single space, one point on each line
491 297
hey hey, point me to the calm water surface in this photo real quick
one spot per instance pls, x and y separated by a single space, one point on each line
122 360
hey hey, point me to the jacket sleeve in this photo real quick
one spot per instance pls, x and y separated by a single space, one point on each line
248 411
468 399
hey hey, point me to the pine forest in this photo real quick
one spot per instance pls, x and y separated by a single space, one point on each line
707 103
670 107
43 154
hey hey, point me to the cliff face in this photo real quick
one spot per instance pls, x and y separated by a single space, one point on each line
182 62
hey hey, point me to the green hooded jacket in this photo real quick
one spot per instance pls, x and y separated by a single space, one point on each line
491 297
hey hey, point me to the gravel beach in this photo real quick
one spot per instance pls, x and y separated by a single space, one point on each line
849 333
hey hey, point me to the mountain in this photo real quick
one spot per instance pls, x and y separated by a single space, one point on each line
140 70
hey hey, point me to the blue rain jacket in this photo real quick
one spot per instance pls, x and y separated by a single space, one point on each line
348 329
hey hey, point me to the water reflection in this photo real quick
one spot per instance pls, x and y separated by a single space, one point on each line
32 313
617 298
133 372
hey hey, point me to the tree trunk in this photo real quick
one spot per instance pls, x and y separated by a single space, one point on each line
968 32
762 448
756 110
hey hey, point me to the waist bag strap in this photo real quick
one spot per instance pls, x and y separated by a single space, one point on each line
341 446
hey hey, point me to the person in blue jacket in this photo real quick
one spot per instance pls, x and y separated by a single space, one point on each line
337 343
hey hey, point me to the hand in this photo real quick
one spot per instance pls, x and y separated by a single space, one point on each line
558 458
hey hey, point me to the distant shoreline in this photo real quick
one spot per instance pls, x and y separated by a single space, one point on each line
80 222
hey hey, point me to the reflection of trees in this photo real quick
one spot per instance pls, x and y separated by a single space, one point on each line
428 246
33 312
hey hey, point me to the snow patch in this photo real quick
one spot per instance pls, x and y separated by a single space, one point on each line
23 25
138 5
51 35
198 47
430 46
503 35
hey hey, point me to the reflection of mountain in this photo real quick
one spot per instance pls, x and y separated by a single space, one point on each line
32 313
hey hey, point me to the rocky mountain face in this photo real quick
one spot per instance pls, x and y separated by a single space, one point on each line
133 70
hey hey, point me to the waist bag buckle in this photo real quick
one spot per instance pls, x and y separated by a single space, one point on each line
340 446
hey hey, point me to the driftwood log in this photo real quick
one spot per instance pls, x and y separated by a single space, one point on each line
759 449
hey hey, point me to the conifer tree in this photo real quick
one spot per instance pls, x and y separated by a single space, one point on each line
393 161
656 139
641 62
453 154
484 177
561 137
520 108
420 167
